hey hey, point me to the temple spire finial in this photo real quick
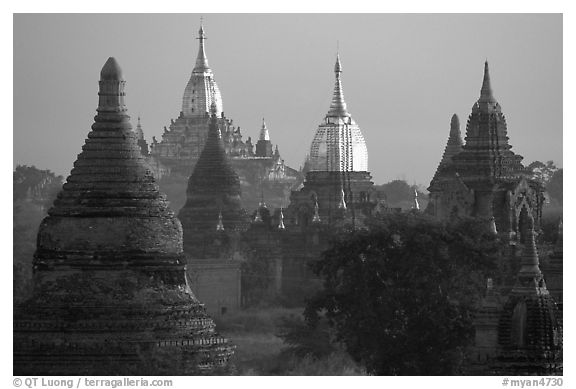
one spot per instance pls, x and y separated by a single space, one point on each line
264 134
486 91
111 88
201 61
338 105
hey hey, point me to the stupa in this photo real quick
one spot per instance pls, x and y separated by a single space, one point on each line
110 290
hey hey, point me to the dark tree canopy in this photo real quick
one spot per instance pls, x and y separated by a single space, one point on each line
401 295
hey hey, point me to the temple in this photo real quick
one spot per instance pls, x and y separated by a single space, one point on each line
483 177
172 159
110 290
338 183
337 191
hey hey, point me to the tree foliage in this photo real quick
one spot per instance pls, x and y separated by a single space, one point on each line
542 172
31 183
401 294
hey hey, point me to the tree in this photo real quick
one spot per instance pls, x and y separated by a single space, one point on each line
401 295
39 186
542 172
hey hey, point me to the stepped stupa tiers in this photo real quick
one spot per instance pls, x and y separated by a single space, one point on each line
110 294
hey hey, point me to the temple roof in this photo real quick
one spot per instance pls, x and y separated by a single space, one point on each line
338 144
213 172
486 154
201 90
486 102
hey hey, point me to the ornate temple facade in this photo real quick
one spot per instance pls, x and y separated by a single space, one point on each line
483 177
173 157
110 291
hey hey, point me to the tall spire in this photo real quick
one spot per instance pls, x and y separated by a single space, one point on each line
338 105
486 91
201 61
264 134
201 89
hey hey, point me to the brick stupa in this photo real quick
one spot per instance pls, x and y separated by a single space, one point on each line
111 295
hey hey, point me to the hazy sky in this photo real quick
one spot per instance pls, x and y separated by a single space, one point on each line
404 75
